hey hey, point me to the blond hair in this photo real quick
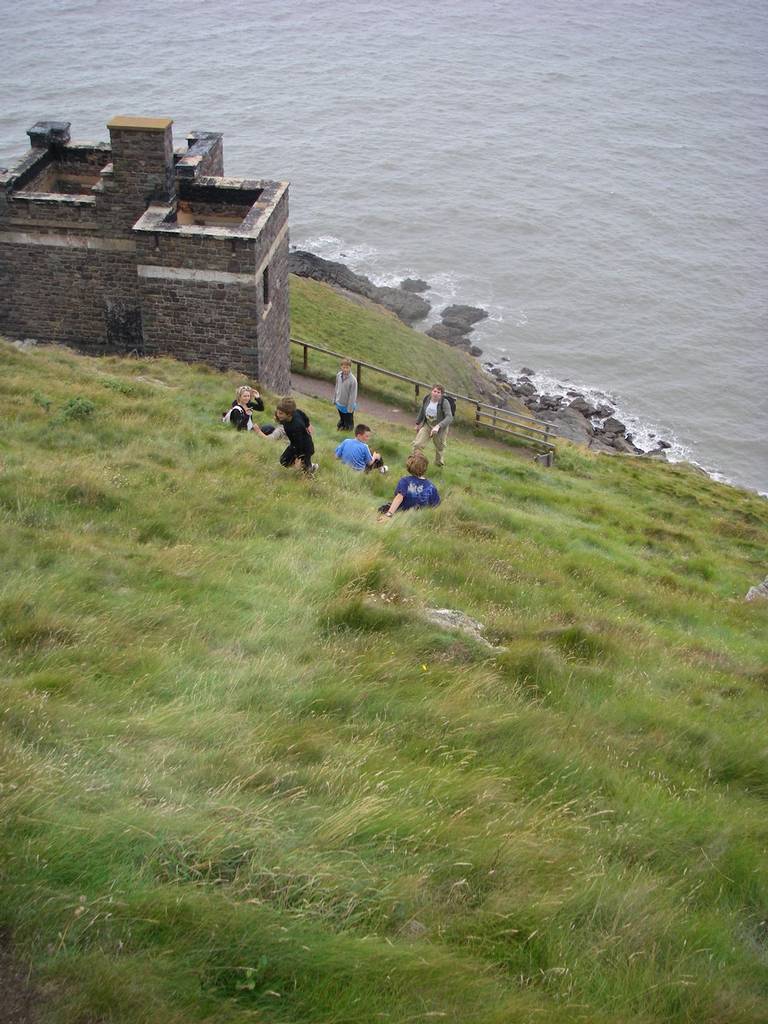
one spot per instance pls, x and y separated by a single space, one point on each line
417 464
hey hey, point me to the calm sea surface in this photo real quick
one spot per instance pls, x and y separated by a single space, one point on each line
594 174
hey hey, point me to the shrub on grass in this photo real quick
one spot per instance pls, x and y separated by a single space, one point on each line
77 408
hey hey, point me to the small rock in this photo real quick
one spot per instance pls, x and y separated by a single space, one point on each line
585 407
414 284
550 401
758 593
450 618
413 929
614 426
527 371
658 454
475 350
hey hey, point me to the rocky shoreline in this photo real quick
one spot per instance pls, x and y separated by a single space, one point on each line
573 414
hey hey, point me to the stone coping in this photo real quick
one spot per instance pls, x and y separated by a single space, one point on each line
60 198
140 124
156 217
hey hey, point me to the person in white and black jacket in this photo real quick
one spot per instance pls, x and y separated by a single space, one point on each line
247 401
435 416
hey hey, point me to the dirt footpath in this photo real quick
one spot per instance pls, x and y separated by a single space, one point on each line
373 409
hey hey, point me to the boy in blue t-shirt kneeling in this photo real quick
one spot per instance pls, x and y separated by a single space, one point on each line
413 491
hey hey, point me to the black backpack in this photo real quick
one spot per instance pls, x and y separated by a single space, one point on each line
451 402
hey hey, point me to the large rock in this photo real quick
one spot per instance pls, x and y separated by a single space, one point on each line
462 317
449 335
570 424
406 305
306 264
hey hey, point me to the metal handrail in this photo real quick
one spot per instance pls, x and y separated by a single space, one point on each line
498 415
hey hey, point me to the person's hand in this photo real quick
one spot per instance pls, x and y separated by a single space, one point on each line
433 431
416 427
375 455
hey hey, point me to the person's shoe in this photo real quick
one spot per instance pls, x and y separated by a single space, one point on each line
383 469
314 468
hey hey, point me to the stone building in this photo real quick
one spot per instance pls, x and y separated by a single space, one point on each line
133 246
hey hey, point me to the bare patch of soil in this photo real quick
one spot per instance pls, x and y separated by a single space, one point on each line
20 1001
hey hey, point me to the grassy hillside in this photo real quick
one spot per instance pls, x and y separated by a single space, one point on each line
243 779
324 317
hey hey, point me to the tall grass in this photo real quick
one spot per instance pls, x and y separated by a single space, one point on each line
243 778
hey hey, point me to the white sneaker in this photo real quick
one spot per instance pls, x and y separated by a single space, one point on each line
314 467
383 469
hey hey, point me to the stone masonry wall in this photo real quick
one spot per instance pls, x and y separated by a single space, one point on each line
201 321
90 297
110 271
274 322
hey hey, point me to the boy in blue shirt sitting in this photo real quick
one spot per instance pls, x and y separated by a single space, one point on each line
413 491
355 452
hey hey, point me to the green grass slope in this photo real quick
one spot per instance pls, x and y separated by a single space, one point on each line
322 316
243 779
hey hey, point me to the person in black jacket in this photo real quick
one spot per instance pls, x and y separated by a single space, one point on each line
247 401
298 430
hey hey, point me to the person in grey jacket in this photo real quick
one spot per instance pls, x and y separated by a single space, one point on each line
435 416
345 396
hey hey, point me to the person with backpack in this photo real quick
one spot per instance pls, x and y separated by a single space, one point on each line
240 414
434 419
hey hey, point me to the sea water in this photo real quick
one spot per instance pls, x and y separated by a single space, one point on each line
593 174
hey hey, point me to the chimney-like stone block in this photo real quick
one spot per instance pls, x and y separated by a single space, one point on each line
204 156
142 158
44 134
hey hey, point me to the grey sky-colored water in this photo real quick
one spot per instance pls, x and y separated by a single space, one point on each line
593 174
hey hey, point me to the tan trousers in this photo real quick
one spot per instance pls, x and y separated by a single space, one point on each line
438 440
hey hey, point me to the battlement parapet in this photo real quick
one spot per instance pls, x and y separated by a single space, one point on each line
130 246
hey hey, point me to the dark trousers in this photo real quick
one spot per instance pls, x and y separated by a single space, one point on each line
346 420
292 453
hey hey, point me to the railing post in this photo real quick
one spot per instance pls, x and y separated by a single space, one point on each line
359 373
306 357
417 390
477 415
